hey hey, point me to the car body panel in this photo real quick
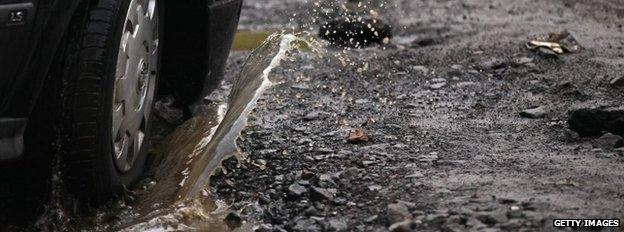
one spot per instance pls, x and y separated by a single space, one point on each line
27 52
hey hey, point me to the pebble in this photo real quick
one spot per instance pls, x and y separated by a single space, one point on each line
493 63
402 226
437 85
436 219
233 220
296 189
420 68
617 82
433 156
398 212
337 224
522 60
416 174
465 84
311 116
534 113
319 194
609 141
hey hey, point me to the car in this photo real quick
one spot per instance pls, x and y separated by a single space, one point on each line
87 73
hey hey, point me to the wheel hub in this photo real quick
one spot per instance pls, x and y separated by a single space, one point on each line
135 82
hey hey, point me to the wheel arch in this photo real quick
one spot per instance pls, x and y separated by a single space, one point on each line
197 42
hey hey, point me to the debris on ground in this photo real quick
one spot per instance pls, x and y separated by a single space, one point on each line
609 141
594 122
398 212
233 220
537 112
617 82
357 136
355 32
556 43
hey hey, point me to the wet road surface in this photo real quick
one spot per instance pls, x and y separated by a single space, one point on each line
441 103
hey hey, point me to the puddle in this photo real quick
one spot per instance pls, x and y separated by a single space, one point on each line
176 198
249 40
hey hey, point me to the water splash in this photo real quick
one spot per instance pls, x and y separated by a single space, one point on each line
253 81
196 149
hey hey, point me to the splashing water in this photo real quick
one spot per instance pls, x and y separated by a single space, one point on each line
192 153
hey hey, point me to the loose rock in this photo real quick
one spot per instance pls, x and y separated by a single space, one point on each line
594 122
319 194
617 82
337 224
296 190
357 136
233 220
437 85
398 213
493 63
538 112
311 116
609 141
403 226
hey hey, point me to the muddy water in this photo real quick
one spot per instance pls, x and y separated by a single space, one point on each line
177 198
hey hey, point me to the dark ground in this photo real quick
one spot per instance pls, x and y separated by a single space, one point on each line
451 157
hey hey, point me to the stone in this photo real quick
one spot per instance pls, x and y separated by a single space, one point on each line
357 136
233 220
437 85
421 68
338 224
304 224
431 157
319 194
493 63
416 174
515 213
491 218
465 84
402 226
617 82
436 219
296 190
522 61
398 212
351 173
535 113
609 141
512 225
311 116
594 122
423 42
374 187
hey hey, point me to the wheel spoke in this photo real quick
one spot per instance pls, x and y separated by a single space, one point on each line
122 147
118 119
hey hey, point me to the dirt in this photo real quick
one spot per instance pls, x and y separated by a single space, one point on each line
448 148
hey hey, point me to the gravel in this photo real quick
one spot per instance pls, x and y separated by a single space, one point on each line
457 151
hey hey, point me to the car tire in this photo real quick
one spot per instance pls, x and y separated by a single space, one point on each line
109 74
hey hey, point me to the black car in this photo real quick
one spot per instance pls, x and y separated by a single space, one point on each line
91 71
